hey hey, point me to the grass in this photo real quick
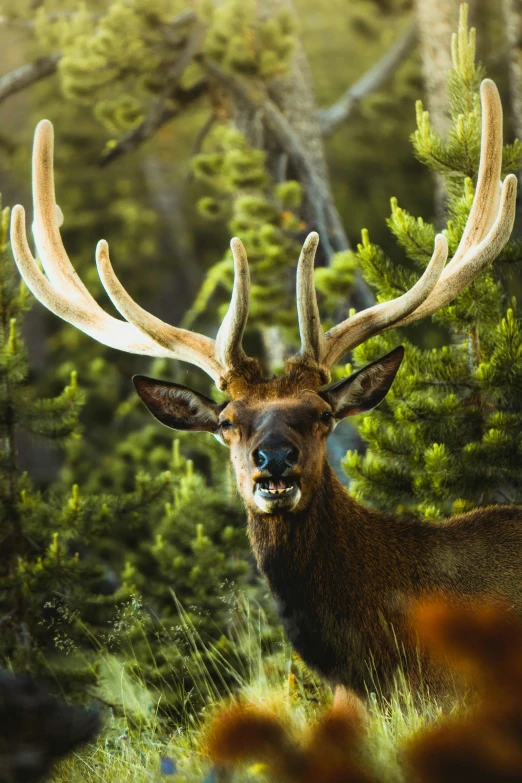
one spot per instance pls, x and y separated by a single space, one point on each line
136 737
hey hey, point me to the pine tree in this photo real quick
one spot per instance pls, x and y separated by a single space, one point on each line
53 580
447 438
127 566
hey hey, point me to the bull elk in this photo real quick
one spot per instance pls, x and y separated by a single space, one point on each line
342 575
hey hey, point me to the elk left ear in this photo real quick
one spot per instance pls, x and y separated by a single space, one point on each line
366 388
178 407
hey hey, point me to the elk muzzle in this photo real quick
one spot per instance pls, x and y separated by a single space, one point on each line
276 475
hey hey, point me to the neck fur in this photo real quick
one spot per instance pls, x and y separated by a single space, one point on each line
331 518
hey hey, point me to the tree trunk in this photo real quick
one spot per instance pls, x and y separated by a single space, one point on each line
175 240
293 94
512 13
437 20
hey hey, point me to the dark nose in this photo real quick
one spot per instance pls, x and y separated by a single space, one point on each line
277 460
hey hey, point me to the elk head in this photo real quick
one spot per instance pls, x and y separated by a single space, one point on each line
276 428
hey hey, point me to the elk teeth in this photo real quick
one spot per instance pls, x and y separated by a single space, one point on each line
280 491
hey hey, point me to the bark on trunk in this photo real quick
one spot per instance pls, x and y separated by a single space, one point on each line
437 20
175 239
512 13
293 96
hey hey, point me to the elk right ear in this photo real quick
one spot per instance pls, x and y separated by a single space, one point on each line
178 407
366 388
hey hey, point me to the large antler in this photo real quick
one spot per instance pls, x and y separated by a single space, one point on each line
61 290
487 230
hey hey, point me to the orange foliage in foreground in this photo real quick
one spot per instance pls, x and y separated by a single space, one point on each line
484 745
241 733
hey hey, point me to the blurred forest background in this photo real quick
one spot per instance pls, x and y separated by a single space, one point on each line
178 126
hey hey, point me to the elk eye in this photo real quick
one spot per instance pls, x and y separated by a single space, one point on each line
326 417
226 424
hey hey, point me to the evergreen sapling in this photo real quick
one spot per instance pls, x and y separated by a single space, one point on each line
446 439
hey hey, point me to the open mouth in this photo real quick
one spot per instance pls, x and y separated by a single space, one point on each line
276 487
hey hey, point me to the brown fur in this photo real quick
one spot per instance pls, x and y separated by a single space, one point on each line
250 382
354 572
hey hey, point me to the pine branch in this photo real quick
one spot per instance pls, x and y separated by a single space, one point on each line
162 111
286 138
181 19
336 114
137 136
28 74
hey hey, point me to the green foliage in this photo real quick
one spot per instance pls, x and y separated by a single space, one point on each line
136 738
55 588
446 439
335 282
117 61
182 559
458 155
243 44
37 560
120 60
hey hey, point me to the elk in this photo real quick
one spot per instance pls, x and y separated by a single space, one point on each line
343 575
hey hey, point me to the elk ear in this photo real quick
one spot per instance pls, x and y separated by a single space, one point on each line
366 388
178 407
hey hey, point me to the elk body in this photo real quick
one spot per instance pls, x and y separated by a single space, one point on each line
343 575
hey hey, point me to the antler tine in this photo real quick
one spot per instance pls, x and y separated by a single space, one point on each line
367 323
180 343
229 350
486 200
310 329
487 230
46 231
90 319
